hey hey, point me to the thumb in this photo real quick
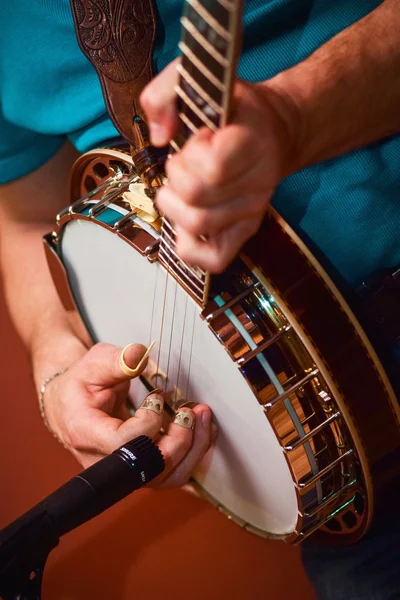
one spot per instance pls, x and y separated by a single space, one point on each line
101 366
158 100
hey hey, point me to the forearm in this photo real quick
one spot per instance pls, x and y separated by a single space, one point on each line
347 94
27 211
33 303
31 298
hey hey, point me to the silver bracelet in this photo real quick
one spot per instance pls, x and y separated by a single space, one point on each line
42 392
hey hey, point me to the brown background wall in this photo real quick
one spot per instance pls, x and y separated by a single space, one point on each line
153 545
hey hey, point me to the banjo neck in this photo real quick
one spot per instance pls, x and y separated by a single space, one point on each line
209 46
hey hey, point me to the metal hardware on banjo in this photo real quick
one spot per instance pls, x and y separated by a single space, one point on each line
309 422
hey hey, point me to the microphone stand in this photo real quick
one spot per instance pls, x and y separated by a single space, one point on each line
22 575
26 543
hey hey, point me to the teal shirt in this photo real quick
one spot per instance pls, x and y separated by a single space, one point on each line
348 208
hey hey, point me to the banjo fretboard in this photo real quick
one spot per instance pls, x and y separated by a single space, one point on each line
210 31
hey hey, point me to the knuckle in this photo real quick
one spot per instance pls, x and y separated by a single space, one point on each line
197 221
218 267
184 443
148 99
193 192
183 183
213 172
162 196
255 206
203 443
98 349
218 263
72 438
70 431
185 254
172 168
180 479
253 226
181 448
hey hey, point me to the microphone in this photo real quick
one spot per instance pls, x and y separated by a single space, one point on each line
28 540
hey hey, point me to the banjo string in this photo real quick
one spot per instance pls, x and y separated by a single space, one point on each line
151 337
172 331
173 151
171 338
181 350
190 355
163 312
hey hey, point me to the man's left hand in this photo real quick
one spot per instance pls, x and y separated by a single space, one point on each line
220 184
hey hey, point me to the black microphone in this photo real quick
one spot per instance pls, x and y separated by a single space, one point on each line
27 541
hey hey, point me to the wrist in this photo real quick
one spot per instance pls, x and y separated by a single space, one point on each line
42 410
53 350
283 102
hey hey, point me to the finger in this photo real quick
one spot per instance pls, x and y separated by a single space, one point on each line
122 409
195 189
159 103
207 221
95 432
150 416
224 155
215 254
229 154
203 436
189 187
101 367
176 443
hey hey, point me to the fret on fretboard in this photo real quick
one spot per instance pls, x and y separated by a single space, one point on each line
194 279
209 35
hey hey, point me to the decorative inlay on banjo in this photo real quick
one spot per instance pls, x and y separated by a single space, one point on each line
309 423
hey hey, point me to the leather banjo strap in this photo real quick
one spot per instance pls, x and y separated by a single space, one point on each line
117 36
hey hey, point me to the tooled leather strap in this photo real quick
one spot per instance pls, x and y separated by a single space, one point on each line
117 37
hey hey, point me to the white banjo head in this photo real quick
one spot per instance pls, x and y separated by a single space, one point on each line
121 297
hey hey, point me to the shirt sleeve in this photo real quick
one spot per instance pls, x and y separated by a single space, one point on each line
22 151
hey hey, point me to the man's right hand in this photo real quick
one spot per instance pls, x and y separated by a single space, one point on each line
86 409
84 406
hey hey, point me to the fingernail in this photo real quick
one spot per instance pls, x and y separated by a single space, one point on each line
185 418
157 135
214 430
154 403
205 418
128 370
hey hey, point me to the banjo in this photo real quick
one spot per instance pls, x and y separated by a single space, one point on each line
309 434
